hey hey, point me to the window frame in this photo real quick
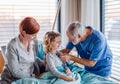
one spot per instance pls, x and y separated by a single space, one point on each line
102 29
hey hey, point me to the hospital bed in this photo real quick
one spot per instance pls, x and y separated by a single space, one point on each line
84 77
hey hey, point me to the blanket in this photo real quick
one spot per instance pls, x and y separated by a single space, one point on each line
90 78
82 77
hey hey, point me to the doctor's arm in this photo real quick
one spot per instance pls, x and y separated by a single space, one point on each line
82 61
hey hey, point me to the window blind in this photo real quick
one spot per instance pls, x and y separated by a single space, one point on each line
112 33
13 11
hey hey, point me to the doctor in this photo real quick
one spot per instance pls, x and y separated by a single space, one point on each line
92 48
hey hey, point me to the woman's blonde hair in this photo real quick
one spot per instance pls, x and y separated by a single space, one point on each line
48 39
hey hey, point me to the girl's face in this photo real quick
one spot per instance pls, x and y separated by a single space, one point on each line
56 43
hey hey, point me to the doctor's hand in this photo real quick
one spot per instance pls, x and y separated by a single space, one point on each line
65 57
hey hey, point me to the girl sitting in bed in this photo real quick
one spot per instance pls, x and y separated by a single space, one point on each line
52 41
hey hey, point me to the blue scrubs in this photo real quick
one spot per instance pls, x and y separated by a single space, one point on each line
95 48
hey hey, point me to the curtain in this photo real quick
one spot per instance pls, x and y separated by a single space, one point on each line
90 13
70 11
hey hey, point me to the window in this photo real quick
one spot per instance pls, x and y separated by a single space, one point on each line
112 33
12 12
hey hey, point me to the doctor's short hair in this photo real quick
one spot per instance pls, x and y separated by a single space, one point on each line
75 28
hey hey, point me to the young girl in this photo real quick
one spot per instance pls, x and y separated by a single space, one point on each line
52 41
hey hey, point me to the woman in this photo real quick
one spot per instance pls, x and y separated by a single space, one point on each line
21 50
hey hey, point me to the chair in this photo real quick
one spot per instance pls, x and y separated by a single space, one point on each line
3 49
3 60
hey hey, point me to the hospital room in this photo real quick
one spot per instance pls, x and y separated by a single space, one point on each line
59 41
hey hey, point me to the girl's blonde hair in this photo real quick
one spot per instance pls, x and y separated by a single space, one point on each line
48 39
